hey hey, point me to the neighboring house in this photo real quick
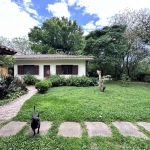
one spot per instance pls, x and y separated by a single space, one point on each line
46 65
5 51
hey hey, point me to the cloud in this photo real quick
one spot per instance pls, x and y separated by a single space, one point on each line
27 4
104 9
89 26
70 2
59 9
102 22
14 21
85 33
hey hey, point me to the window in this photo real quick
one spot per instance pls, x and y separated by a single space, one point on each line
31 69
67 69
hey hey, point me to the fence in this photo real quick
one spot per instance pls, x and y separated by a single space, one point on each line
3 71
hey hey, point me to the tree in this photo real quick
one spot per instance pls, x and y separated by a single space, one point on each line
6 61
56 34
21 44
108 46
137 36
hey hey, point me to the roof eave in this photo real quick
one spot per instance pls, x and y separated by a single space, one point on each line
53 58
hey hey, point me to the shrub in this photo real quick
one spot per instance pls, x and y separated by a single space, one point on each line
147 78
30 79
43 85
125 80
70 81
11 86
57 80
79 81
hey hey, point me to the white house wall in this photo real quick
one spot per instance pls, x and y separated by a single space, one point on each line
81 66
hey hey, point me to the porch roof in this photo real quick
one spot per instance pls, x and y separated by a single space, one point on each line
6 51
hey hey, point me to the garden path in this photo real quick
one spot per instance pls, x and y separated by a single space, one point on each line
10 110
75 130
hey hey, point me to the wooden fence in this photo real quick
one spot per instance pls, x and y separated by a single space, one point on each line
4 71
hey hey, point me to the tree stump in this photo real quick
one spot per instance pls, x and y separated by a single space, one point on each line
101 82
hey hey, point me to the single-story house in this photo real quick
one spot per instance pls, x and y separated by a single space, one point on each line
44 65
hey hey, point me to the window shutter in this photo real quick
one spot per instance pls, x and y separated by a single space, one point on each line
20 70
75 70
36 70
58 69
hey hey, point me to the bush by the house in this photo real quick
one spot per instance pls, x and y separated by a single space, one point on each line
43 85
79 81
57 80
30 79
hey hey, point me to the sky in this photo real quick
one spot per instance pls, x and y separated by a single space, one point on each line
17 17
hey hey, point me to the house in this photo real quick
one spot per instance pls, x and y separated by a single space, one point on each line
5 51
44 65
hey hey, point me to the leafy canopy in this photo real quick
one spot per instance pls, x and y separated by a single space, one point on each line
107 45
56 33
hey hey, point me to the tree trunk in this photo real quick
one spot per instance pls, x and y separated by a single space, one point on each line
101 82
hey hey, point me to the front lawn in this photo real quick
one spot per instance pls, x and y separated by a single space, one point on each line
88 104
81 104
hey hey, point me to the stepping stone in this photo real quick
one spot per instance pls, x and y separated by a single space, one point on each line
97 129
44 127
1 121
145 125
12 128
128 129
70 129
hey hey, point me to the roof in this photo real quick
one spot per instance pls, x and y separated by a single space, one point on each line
6 51
51 57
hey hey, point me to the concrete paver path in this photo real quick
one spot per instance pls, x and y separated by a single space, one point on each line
10 110
12 128
97 129
1 121
145 125
70 129
45 126
73 129
128 129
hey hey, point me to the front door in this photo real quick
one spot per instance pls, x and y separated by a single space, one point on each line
46 71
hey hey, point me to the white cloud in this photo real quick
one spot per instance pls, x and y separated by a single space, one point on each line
59 9
102 22
14 22
89 26
70 2
104 9
85 33
32 11
27 4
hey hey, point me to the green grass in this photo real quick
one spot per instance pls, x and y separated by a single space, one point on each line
82 104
